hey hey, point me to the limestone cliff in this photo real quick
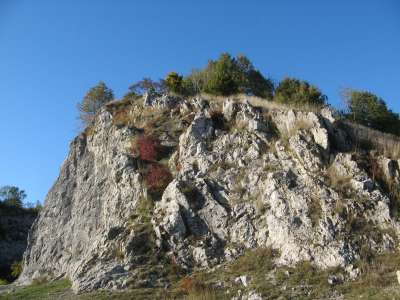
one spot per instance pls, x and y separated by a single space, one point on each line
243 177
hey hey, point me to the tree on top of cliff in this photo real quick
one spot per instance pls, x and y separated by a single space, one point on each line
12 196
94 99
147 85
298 92
225 76
370 110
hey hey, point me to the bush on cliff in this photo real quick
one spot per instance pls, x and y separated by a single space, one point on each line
16 268
147 147
157 178
174 83
299 93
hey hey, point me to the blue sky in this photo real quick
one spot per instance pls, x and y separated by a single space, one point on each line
52 52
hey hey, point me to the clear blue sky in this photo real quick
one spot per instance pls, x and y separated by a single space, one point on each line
51 52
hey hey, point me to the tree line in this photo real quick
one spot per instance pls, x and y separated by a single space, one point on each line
12 197
232 75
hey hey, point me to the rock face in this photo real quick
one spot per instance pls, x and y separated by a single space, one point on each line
244 177
14 226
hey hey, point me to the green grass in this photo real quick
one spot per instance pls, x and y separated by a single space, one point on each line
46 291
303 281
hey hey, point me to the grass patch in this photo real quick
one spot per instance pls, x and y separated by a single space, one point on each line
341 184
42 291
314 211
303 281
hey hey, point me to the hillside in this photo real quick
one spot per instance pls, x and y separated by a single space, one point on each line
240 193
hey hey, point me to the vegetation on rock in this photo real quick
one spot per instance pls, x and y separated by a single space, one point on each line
225 76
147 85
147 147
157 177
246 173
299 93
368 109
94 99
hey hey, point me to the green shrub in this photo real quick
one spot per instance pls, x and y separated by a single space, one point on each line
251 81
370 110
227 76
173 82
16 269
221 76
94 99
299 93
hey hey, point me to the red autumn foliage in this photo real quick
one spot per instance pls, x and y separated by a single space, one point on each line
148 147
187 284
158 177
190 284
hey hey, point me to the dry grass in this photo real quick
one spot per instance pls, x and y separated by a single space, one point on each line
260 102
364 137
195 288
287 132
339 183
314 210
119 253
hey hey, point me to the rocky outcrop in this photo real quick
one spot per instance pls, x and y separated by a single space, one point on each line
266 178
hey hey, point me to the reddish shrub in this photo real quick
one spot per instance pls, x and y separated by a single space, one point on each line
158 177
187 284
148 147
191 284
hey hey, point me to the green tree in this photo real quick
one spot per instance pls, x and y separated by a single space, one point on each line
94 99
227 76
221 76
174 82
147 85
250 81
299 93
370 110
12 196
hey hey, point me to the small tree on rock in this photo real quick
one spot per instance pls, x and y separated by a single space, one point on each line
147 85
173 82
94 99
